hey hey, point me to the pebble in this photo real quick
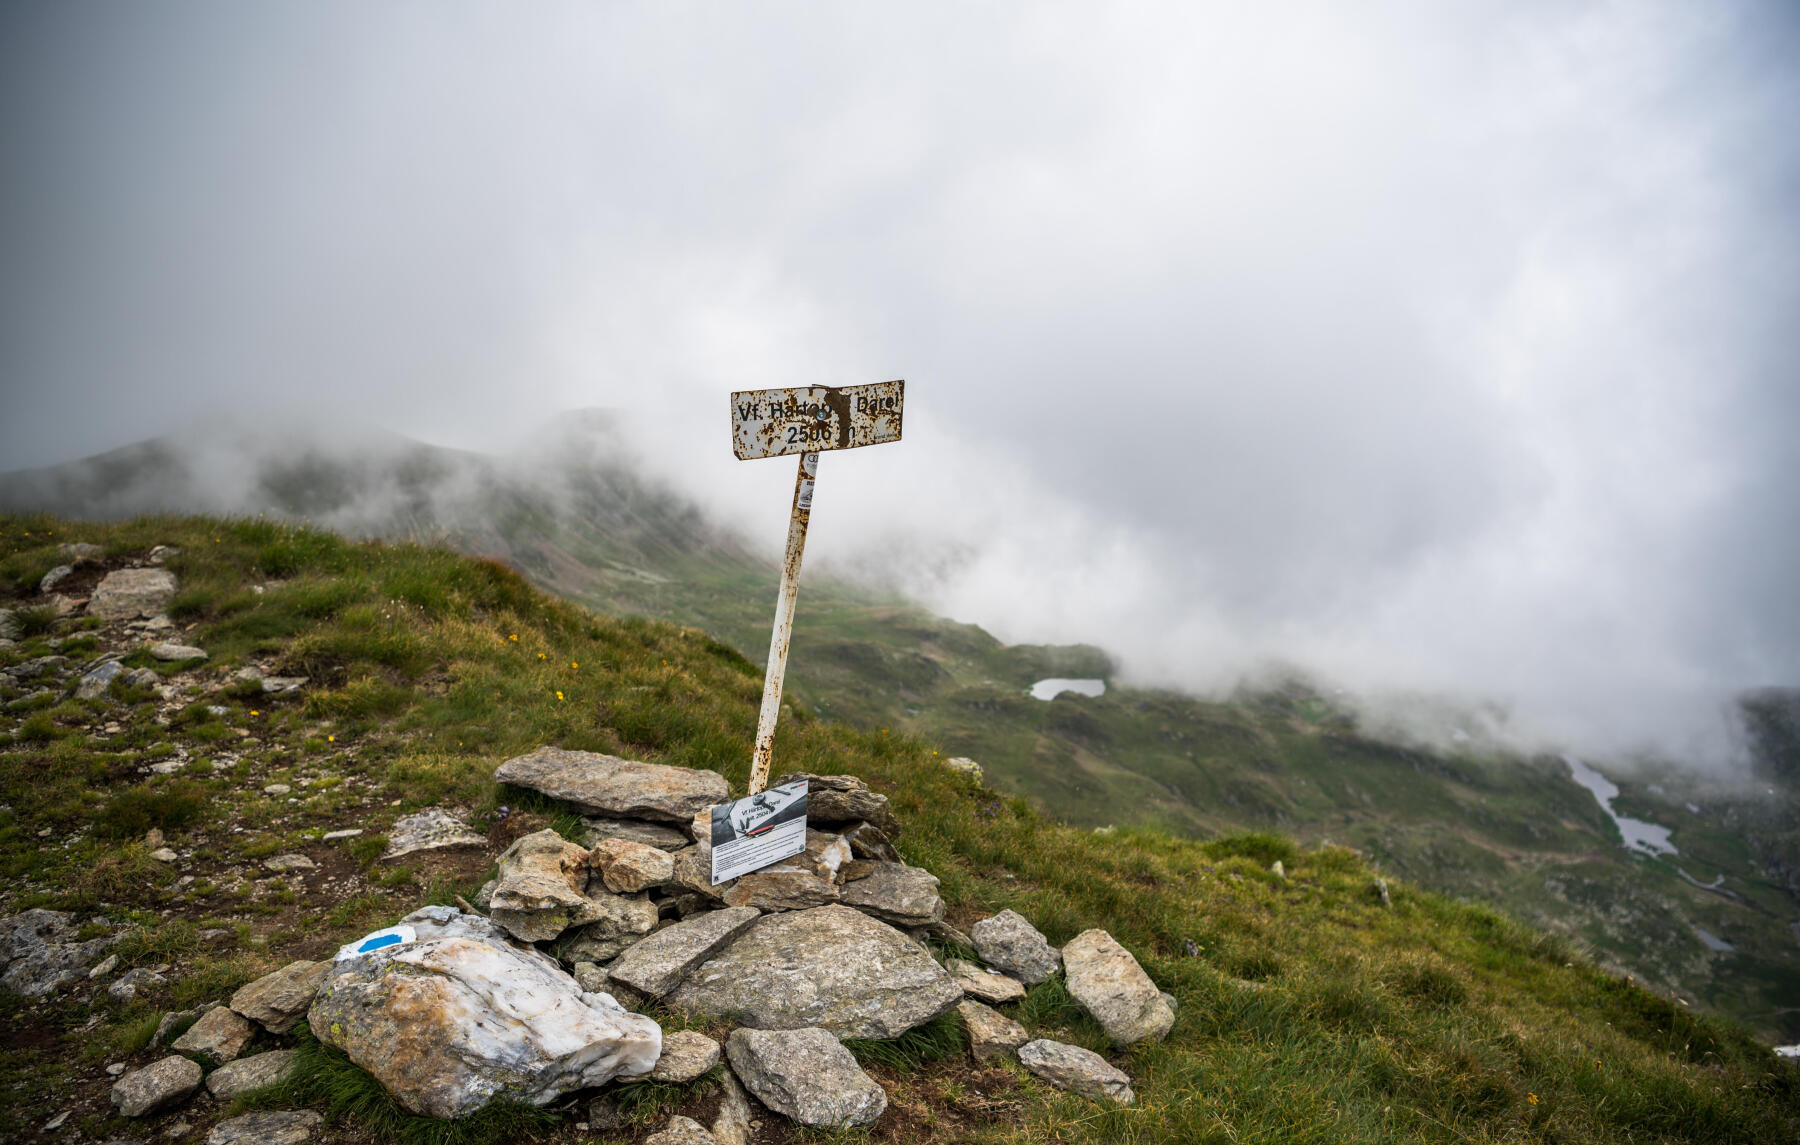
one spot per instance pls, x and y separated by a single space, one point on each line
277 789
164 855
347 833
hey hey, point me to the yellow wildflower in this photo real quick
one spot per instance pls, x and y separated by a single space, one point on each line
514 638
573 664
559 695
1531 1097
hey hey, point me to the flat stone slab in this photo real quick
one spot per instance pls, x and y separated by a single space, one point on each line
628 867
251 1073
157 1086
806 1075
128 593
1010 944
1109 984
430 830
831 967
541 889
176 652
660 962
897 894
843 799
1076 1070
983 984
272 1127
658 835
608 785
278 1001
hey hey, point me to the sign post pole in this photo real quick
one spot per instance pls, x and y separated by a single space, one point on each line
806 420
784 621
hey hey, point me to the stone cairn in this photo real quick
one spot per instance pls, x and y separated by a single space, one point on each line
534 999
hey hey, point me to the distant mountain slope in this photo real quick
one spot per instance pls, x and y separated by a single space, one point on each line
1718 922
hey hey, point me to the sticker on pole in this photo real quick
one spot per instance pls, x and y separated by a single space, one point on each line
757 830
807 419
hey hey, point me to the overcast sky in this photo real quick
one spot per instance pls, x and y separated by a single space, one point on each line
1433 347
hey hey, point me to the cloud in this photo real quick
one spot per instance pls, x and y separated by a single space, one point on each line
1436 349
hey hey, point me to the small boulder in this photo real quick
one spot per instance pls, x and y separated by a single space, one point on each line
1109 984
126 986
806 1075
156 1087
686 1054
542 877
454 1013
254 1072
829 966
963 765
176 652
432 829
54 577
279 1000
731 1124
218 1037
94 683
984 984
991 1033
805 880
681 1131
128 593
607 785
628 867
76 550
1076 1070
898 894
1011 945
832 799
659 963
271 1127
283 863
39 954
591 978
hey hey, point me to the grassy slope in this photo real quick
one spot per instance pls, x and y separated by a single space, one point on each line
1308 1011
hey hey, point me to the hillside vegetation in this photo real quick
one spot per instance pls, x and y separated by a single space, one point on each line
1309 1011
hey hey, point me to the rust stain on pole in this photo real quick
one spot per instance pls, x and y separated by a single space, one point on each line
803 420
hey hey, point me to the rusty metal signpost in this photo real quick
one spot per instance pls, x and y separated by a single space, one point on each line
807 420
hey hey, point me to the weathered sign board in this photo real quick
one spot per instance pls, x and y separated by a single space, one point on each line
810 419
807 420
750 833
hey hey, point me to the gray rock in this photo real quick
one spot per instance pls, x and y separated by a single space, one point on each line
276 685
605 1112
126 986
592 978
662 961
254 1072
282 863
164 855
218 1037
279 1000
95 681
1076 1070
608 785
165 1027
658 835
1011 945
829 966
75 550
50 579
430 830
597 943
540 892
36 666
1170 1000
104 967
731 1125
991 1033
843 799
693 872
158 1086
628 867
977 982
897 893
141 678
963 765
1380 887
271 1127
346 833
9 625
132 592
172 652
806 1075
686 1054
463 1014
1109 984
681 1131
161 553
39 954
